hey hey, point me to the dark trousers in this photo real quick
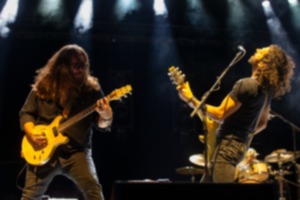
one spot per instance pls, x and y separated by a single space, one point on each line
78 167
228 153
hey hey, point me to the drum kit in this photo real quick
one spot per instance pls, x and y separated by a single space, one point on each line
284 159
254 172
192 171
258 172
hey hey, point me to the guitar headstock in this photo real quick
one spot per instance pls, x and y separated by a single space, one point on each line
119 93
176 75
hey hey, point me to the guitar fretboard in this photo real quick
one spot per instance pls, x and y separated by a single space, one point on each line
63 126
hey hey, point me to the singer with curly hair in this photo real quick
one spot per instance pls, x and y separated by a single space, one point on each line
244 112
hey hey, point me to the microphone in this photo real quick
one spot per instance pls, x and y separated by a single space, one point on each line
271 116
241 48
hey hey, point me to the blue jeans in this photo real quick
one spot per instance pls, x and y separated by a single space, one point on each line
78 167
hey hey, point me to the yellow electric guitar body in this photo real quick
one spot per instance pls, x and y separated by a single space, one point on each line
39 155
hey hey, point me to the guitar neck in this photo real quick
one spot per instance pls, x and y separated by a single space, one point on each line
115 95
77 117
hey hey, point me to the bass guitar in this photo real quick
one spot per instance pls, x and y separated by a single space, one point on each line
39 155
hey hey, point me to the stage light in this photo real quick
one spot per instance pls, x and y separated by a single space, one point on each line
4 31
196 15
277 32
293 2
265 3
8 16
51 10
160 8
269 13
295 13
123 7
84 16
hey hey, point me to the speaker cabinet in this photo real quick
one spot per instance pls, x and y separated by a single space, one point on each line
127 190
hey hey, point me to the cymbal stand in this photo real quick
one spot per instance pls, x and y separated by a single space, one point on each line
193 178
280 177
294 130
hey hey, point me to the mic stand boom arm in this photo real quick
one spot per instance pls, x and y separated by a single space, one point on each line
215 86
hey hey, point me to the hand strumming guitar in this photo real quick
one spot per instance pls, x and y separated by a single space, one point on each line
36 135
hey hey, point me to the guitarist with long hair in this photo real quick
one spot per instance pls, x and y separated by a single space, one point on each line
63 87
244 112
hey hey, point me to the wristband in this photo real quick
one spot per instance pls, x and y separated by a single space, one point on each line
105 120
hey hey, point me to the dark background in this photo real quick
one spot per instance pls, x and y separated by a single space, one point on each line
152 133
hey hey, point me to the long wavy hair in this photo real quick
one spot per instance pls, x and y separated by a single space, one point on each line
276 72
54 81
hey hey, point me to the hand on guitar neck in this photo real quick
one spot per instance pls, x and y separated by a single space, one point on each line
183 87
186 94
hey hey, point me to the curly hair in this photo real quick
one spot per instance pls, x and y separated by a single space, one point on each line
53 81
277 71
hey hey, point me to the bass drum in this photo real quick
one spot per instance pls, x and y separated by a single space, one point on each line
256 172
260 171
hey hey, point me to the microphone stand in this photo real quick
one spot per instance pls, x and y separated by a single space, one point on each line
237 58
294 128
214 87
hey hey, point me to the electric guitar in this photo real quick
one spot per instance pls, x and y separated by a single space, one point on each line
178 78
39 155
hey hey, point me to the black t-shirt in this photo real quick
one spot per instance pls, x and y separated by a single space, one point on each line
243 121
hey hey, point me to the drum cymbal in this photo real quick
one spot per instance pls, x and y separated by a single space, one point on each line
189 170
280 155
197 159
